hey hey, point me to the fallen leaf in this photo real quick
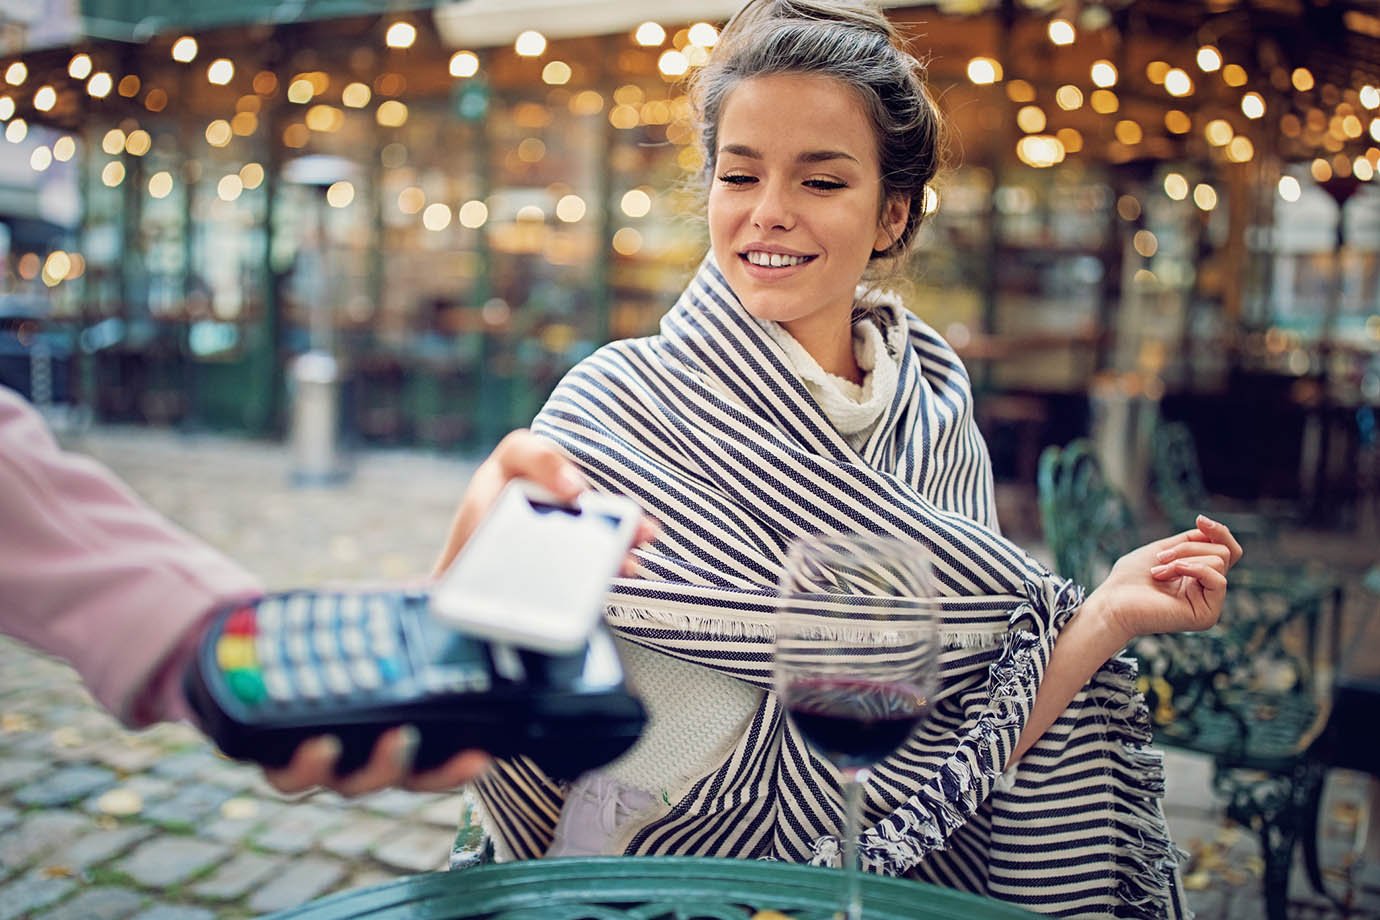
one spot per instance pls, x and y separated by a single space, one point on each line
58 872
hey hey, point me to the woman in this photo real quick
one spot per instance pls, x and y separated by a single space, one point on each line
783 397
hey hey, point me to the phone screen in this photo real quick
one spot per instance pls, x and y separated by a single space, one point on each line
536 572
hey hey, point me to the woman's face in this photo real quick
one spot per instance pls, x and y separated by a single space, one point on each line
795 207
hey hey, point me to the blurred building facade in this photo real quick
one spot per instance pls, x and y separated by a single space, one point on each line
1152 207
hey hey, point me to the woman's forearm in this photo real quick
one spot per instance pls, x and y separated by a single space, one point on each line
1085 644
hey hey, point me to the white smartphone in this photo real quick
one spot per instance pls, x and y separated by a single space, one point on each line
535 572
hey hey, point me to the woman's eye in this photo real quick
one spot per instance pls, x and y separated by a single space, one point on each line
824 184
736 179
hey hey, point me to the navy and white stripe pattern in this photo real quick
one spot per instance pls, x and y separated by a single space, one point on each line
706 425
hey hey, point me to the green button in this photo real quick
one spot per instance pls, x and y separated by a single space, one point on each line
247 684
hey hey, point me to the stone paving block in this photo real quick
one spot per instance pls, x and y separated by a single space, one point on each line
165 861
103 903
22 897
418 850
39 833
395 802
68 784
8 816
297 828
1188 783
16 771
237 876
130 755
188 805
446 812
369 877
233 824
175 912
101 846
301 881
184 765
148 789
229 773
354 838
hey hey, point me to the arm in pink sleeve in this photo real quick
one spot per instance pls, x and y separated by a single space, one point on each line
92 574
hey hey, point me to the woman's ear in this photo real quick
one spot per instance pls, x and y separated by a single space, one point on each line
895 215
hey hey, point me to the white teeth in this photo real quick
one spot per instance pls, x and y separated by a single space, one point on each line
773 259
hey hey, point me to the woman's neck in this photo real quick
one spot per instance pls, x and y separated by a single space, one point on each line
829 343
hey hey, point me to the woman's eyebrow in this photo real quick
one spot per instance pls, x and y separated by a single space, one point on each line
809 156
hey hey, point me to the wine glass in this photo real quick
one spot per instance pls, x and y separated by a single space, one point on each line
856 659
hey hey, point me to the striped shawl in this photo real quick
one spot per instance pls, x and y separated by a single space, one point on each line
707 426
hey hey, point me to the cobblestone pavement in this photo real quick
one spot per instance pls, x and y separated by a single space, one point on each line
98 822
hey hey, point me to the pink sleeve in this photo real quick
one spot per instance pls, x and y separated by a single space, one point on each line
92 574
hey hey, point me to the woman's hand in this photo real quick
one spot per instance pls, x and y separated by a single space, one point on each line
520 455
1177 584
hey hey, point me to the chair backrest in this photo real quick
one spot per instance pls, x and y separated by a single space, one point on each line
1176 478
1088 523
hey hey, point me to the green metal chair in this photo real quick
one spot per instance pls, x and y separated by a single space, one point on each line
1177 483
1249 693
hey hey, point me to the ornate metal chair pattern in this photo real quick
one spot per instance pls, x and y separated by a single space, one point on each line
1177 482
1248 693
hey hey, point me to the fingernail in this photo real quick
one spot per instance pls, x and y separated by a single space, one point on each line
571 480
328 748
1207 520
1162 555
1157 569
406 751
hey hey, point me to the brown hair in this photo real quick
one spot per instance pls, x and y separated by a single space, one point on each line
852 42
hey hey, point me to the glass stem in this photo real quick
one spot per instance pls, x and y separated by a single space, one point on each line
852 826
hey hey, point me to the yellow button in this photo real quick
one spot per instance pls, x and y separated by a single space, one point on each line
234 652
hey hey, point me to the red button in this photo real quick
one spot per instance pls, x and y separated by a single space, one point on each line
242 622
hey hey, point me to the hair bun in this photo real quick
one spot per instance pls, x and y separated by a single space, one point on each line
756 14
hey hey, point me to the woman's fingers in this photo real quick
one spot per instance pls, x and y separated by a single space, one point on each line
1190 548
389 764
1190 566
1221 533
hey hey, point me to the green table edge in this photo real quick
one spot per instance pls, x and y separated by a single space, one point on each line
543 885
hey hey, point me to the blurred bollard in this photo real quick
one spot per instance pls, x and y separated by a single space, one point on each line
314 391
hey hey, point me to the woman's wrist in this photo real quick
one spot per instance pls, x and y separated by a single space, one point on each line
1107 620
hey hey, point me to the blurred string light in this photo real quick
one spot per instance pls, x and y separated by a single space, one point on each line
129 86
1234 75
473 214
636 203
300 91
530 43
1209 59
627 241
1289 189
339 195
1253 105
64 148
356 95
113 141
1320 169
1362 169
436 217
1177 121
113 173
1218 132
252 175
1070 138
411 200
100 85
220 71
184 50
649 35
45 98
1040 151
1062 32
138 142
1068 97
1104 101
40 159
1177 82
1020 91
673 64
1302 78
1176 186
16 73
400 35
1369 96
1205 196
1155 72
1129 132
984 71
1145 243
6 108
218 133
79 68
464 64
1240 150
1031 119
229 187
16 130
703 35
1104 74
161 184
570 209
556 73
391 114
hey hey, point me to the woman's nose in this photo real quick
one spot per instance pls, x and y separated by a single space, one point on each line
772 209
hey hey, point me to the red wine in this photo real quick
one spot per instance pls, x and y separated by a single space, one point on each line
854 723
